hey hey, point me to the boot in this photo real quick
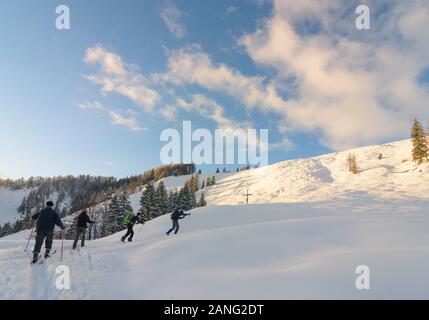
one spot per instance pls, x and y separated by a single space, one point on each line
123 239
35 257
47 253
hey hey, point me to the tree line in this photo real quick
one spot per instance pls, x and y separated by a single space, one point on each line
72 194
155 201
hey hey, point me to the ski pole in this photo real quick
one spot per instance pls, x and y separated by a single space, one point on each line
32 229
62 244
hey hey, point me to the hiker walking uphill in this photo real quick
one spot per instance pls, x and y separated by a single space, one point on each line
130 220
82 224
45 224
175 217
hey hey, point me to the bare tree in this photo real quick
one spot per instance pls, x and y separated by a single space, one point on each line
352 163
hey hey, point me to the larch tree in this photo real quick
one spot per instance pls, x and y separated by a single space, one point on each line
352 163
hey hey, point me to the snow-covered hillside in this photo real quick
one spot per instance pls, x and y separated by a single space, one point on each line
9 202
327 177
265 251
309 224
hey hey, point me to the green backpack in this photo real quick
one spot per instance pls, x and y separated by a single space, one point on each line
128 217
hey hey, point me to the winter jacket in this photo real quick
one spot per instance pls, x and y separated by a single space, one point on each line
134 219
83 220
131 219
176 215
47 219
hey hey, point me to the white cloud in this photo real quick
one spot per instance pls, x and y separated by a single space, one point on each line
129 122
284 144
191 65
210 109
172 17
350 88
231 10
355 89
108 163
169 112
91 106
117 76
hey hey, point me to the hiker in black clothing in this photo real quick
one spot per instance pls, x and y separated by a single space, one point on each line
82 224
130 220
45 224
175 217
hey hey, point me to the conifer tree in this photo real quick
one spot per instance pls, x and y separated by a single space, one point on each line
420 144
113 212
162 198
71 230
192 198
125 205
148 207
7 229
183 199
202 202
173 199
187 199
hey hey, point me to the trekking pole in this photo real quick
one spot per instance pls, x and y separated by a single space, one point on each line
62 244
29 238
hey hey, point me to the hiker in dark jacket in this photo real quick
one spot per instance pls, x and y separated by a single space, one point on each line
82 224
45 224
175 217
130 220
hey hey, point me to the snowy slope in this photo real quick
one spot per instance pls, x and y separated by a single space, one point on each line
265 251
10 200
309 225
326 177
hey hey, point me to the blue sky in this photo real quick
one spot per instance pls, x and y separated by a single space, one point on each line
94 99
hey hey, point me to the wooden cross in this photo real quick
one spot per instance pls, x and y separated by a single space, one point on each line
247 195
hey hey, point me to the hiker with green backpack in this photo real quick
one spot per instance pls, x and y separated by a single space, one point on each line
130 220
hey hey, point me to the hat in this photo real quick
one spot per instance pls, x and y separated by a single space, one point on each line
49 204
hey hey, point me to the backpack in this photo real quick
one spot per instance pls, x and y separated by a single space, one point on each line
176 214
128 218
